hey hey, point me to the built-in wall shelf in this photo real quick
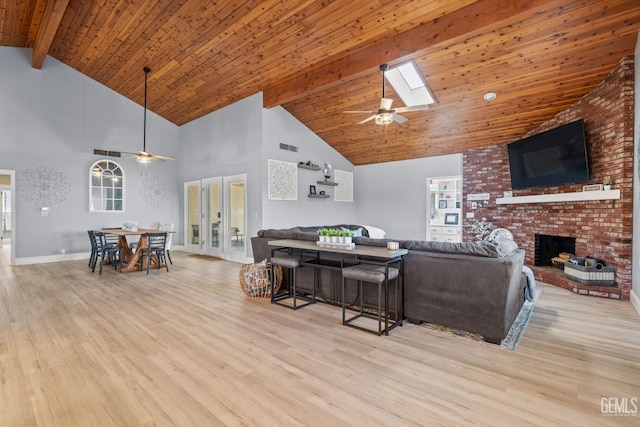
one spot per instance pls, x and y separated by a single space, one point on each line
318 196
327 183
561 197
310 167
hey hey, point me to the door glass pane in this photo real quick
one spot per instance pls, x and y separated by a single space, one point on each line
193 214
213 214
236 231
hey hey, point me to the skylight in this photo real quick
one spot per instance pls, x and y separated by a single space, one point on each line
409 84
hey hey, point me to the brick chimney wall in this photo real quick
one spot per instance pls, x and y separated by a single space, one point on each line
603 229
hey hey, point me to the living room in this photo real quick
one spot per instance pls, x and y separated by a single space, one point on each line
54 118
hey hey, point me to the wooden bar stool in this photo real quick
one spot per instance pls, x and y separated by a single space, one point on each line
292 263
380 276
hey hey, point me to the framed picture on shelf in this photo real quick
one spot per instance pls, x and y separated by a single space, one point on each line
592 187
451 219
312 189
442 204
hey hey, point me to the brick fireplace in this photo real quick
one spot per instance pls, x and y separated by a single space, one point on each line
601 228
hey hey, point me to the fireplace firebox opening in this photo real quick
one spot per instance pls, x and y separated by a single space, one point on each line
549 247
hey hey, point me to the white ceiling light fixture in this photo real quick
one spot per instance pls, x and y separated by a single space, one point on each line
489 96
410 84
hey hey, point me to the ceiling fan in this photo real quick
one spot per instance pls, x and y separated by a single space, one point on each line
384 115
144 156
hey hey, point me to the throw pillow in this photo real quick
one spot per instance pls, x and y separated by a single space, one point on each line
356 233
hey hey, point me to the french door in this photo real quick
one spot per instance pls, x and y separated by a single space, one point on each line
215 217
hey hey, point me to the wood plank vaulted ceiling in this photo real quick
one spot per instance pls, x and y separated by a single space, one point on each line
319 58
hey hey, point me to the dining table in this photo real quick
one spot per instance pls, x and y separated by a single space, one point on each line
129 256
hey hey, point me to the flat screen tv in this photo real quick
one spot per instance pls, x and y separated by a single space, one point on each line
554 157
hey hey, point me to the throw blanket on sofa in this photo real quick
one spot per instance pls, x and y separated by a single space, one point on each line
530 290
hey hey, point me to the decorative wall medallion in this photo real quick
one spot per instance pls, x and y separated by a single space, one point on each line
43 186
283 180
344 190
156 190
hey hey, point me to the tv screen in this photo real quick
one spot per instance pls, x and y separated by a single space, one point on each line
554 157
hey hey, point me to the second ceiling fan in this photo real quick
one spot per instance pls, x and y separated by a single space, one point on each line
385 115
144 156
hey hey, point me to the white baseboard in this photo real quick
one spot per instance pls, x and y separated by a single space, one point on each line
52 258
635 301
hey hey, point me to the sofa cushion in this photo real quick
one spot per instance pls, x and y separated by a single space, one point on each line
310 236
368 241
480 248
289 233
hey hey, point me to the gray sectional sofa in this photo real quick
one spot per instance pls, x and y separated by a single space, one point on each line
475 287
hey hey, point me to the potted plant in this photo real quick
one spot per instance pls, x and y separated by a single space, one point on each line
348 236
333 234
322 234
607 182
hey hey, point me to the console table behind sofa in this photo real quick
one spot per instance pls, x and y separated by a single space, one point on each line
467 286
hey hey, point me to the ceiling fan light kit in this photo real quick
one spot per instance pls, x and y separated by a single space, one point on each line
385 115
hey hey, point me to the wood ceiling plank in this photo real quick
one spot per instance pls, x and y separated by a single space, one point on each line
62 45
47 30
14 15
36 20
483 13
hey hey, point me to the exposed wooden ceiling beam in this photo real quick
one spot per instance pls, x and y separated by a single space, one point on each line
401 47
48 27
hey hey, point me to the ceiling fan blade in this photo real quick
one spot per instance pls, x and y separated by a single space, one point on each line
159 157
399 119
413 108
367 119
385 103
360 112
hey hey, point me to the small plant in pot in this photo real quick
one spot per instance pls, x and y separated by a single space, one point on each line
322 234
348 236
607 182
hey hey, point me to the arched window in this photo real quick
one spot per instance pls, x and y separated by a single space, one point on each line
106 188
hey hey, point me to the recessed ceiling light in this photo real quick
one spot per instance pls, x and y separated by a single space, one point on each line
489 96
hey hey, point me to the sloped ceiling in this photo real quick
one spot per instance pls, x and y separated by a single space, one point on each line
320 58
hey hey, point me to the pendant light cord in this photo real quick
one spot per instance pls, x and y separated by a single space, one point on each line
144 131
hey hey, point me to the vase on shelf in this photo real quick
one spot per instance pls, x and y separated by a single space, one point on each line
607 187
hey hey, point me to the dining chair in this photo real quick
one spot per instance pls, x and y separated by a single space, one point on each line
93 258
167 247
153 226
111 239
156 246
106 250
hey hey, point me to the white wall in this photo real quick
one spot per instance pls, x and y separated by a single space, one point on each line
224 143
282 127
392 196
635 268
54 118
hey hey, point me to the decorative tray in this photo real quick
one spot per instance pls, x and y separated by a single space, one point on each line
336 245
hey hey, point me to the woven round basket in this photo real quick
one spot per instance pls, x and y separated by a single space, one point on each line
254 279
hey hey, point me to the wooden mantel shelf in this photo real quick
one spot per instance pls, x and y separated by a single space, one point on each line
561 197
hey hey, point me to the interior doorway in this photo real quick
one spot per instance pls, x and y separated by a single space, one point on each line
215 217
7 217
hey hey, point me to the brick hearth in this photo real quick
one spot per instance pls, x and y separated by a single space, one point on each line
602 229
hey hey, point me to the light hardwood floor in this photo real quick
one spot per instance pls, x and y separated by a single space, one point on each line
188 348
